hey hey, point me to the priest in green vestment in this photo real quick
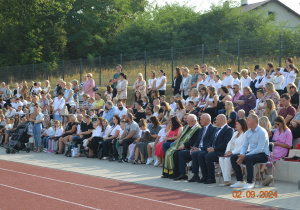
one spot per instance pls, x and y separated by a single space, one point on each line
185 141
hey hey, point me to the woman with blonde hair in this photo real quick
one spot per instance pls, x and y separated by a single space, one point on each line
194 96
270 111
122 88
265 123
212 102
24 89
151 83
47 87
230 114
89 84
140 84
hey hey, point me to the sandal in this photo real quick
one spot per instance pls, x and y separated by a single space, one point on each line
143 162
135 162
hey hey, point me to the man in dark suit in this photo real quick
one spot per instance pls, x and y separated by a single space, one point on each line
203 141
218 146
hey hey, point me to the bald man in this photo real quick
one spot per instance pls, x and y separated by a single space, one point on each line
204 137
217 148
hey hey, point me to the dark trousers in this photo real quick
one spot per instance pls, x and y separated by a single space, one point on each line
94 144
113 149
176 164
115 91
206 162
296 132
125 144
106 147
195 158
249 161
184 157
162 92
165 146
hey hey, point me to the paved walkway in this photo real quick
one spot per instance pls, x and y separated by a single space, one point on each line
288 193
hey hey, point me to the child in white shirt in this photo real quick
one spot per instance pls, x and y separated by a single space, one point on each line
54 138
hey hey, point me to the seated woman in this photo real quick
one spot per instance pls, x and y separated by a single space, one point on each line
131 148
233 147
246 101
113 134
113 151
212 102
223 98
167 112
160 139
270 111
141 148
180 111
230 114
71 129
102 131
171 137
58 132
265 123
282 142
140 112
202 99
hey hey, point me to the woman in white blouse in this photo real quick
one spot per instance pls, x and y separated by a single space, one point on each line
58 104
277 80
233 147
113 134
290 76
161 82
47 87
101 132
151 83
194 96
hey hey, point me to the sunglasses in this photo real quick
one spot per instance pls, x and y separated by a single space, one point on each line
195 68
276 123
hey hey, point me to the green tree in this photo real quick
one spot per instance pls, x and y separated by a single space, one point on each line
31 31
92 23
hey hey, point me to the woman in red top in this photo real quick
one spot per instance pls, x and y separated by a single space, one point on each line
171 137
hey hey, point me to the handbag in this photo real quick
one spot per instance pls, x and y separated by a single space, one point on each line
95 88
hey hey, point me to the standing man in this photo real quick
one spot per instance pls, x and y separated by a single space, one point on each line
115 79
257 139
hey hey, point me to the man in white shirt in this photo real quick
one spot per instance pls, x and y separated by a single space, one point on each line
228 80
121 111
260 79
3 89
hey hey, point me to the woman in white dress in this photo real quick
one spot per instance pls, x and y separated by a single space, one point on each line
47 87
151 83
233 147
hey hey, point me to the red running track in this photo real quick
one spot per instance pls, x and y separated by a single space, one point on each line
30 187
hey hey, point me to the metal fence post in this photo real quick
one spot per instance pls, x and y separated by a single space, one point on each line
19 73
33 71
80 69
100 70
172 54
6 74
279 50
145 66
121 56
202 53
47 70
238 55
63 68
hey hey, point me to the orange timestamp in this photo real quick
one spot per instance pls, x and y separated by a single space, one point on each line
253 194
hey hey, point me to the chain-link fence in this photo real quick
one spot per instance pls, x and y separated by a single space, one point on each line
236 54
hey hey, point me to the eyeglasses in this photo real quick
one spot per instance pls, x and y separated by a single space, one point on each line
233 88
202 67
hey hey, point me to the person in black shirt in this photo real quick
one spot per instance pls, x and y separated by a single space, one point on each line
293 91
140 112
69 131
191 108
86 129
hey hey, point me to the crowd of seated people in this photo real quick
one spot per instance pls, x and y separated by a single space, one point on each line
207 120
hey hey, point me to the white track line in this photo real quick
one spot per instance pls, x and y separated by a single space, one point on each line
15 188
94 188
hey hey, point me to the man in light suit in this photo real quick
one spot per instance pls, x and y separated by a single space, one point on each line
217 148
203 141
